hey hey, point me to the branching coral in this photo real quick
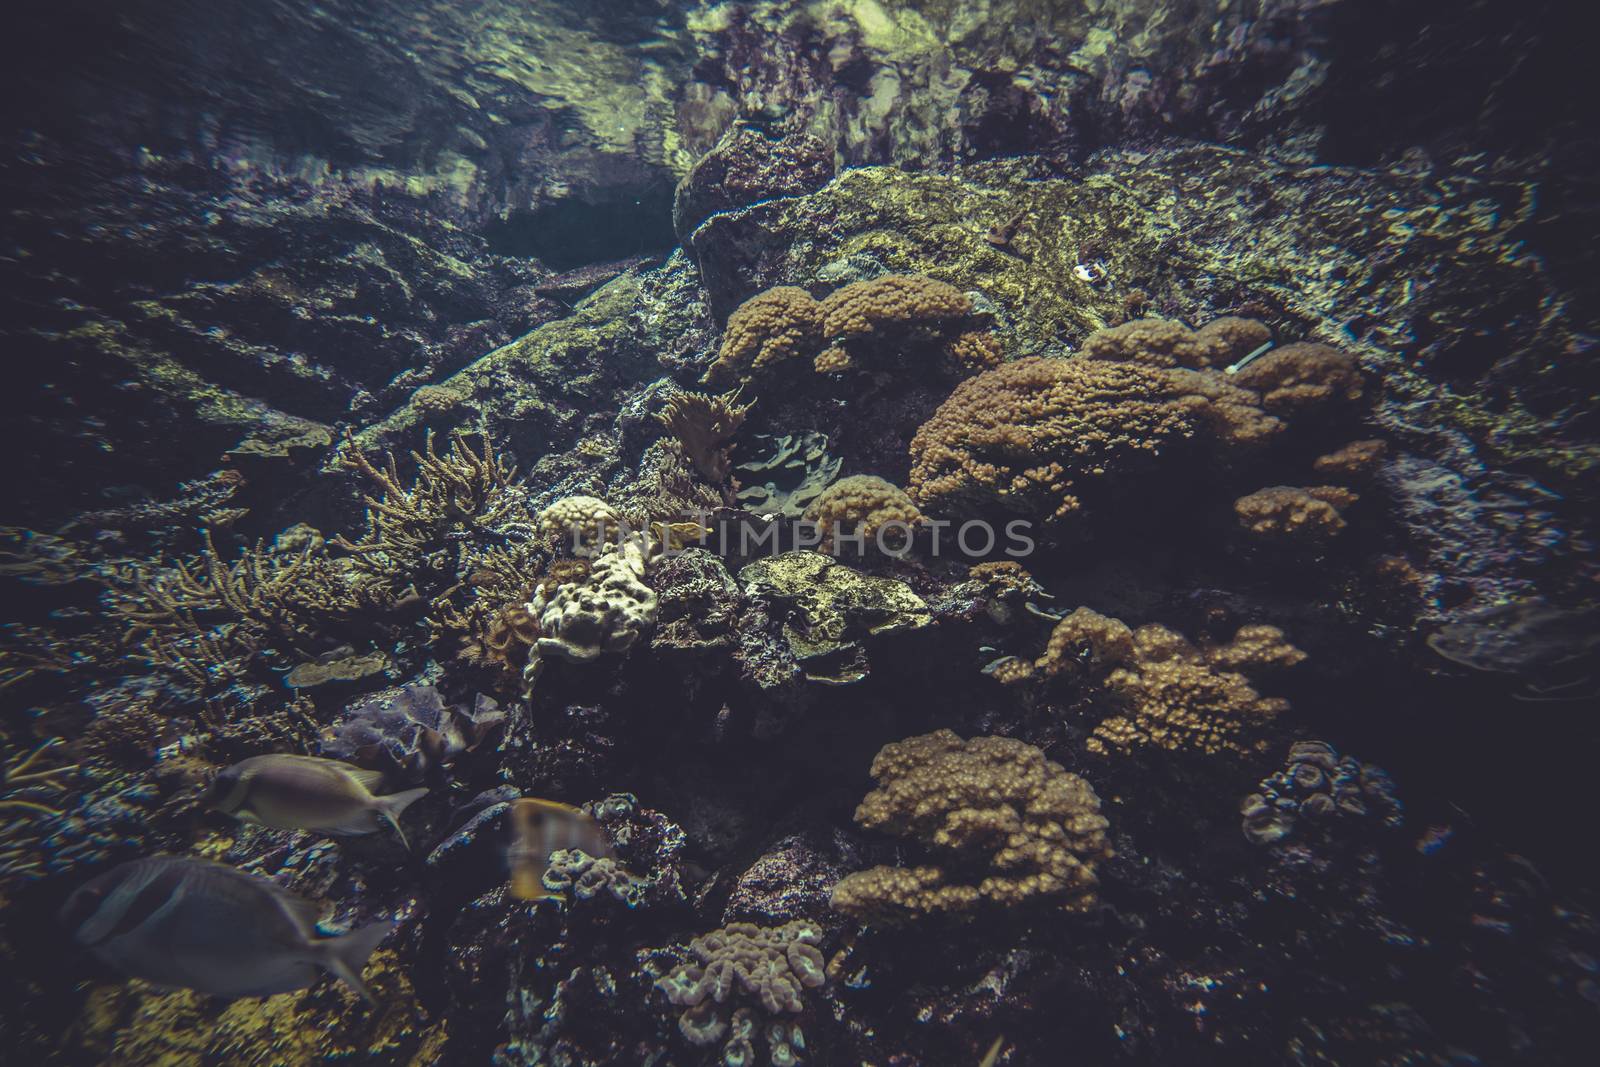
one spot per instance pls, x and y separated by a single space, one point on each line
1032 437
771 965
1164 343
876 515
704 425
767 329
206 620
457 503
1031 830
1289 515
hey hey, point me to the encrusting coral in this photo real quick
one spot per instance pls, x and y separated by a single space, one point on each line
875 515
1286 514
992 803
771 965
1034 436
704 425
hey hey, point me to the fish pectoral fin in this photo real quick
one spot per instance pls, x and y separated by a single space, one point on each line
371 781
346 957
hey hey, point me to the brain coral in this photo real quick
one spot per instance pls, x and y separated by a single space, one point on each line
1029 437
1177 696
1290 515
768 328
772 965
1164 343
582 522
868 507
1035 829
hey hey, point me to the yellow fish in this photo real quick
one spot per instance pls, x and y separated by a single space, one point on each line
540 827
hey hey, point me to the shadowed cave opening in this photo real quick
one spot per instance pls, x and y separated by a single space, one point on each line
574 233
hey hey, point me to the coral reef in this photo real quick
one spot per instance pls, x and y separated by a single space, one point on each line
797 470
410 733
582 524
606 611
704 425
769 328
1164 343
1035 829
1302 377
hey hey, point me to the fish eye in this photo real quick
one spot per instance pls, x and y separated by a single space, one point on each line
81 905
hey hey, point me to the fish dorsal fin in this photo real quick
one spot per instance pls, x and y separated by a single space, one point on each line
371 781
304 913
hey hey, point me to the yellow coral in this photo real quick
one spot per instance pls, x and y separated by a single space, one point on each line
1029 437
1034 828
1165 343
894 301
867 507
1291 515
770 327
1301 377
1358 459
1177 696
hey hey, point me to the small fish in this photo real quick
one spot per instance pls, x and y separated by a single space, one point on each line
183 922
540 827
290 792
992 1057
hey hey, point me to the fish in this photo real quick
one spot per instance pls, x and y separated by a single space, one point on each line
289 792
992 1057
188 923
539 827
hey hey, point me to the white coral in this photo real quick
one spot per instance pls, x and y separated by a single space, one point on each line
606 612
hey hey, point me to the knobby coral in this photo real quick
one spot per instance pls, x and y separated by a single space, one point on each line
1165 343
583 523
605 612
1302 377
1317 783
770 327
1286 514
867 511
1177 696
991 804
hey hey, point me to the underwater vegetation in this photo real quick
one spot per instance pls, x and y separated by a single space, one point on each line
771 533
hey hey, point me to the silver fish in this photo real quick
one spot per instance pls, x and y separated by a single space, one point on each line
540 827
289 792
179 921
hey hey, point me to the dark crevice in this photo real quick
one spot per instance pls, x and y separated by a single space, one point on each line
574 233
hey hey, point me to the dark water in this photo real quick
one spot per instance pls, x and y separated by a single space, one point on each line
896 533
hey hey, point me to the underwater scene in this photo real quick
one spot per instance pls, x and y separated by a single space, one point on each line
848 533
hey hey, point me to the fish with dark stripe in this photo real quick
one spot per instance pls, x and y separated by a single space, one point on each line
540 827
184 922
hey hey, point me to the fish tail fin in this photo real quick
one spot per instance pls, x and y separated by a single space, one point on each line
346 956
391 807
